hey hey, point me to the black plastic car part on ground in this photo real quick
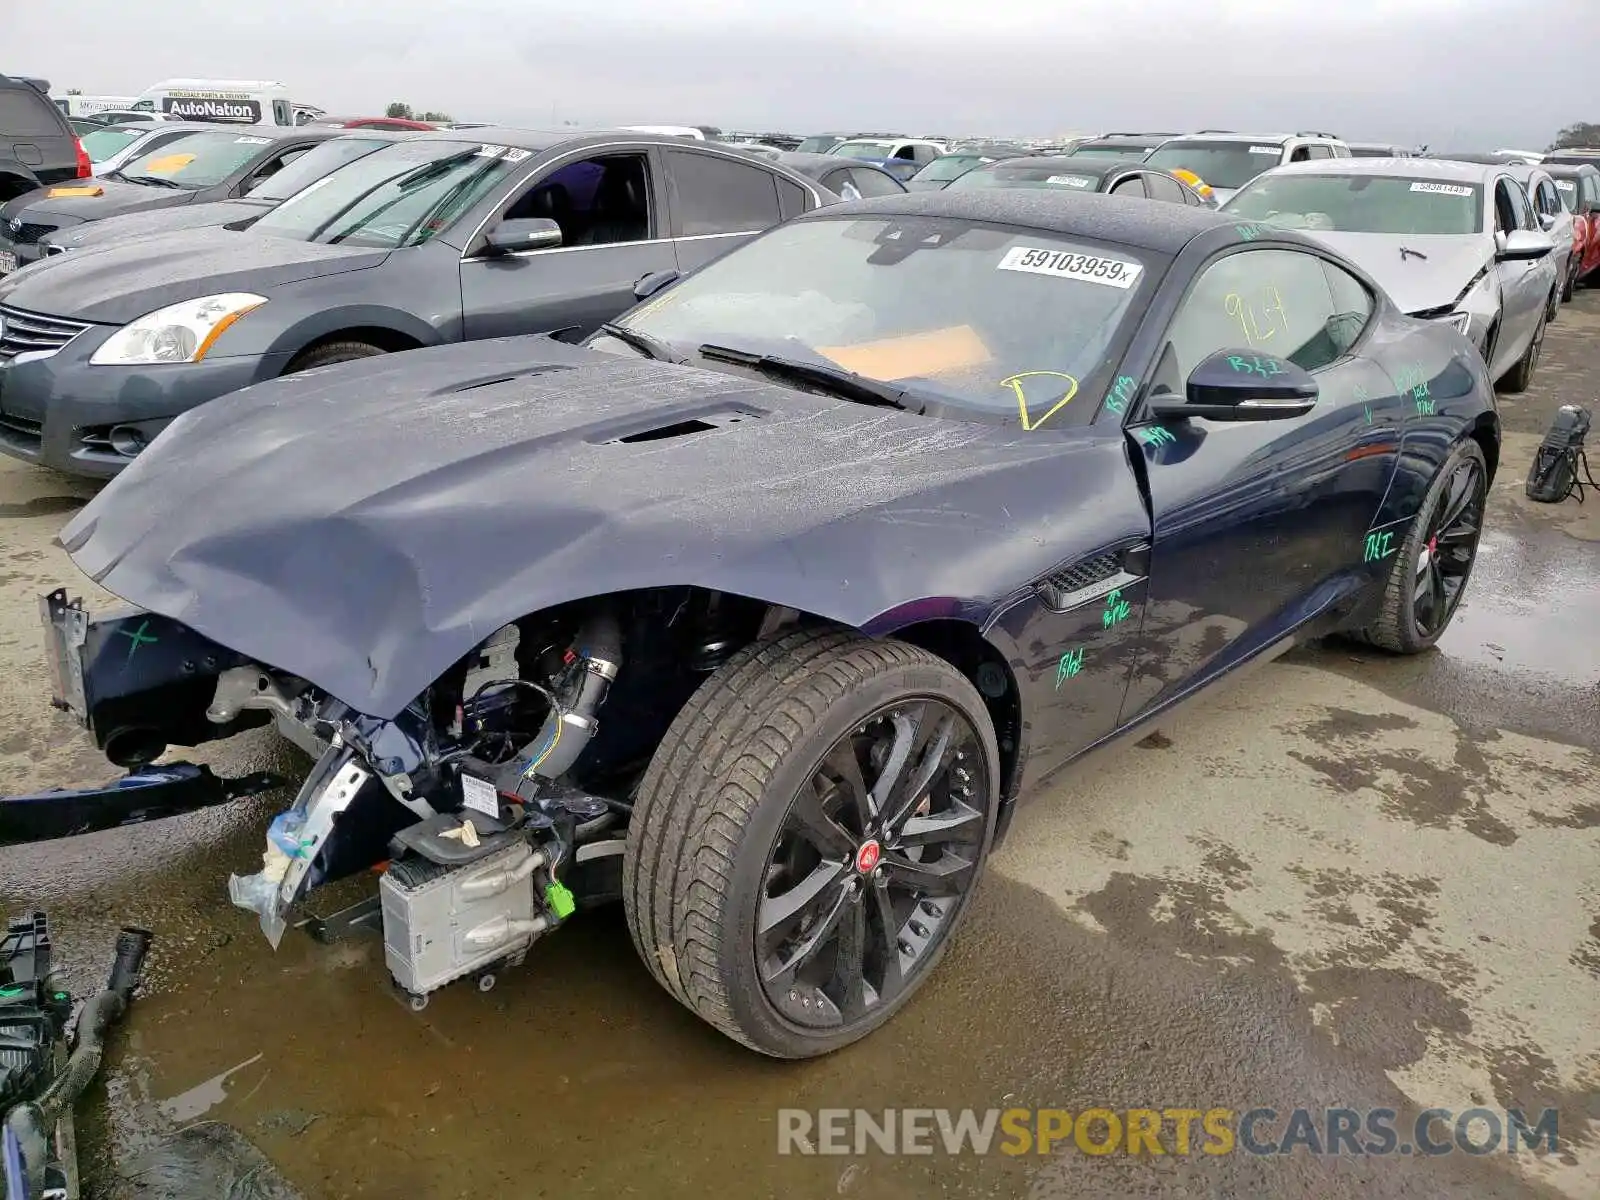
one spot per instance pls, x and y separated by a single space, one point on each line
1064 173
37 144
439 237
220 163
305 170
847 501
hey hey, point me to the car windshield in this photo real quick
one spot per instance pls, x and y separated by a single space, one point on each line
951 166
1362 204
864 149
991 323
1109 151
314 164
401 195
1221 164
196 160
1059 176
101 144
818 145
1567 189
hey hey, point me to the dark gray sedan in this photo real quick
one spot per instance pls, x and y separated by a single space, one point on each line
304 171
1116 177
443 237
211 164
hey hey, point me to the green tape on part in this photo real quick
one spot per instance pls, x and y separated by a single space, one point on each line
558 898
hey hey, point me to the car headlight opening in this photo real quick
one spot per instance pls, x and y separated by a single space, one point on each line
179 333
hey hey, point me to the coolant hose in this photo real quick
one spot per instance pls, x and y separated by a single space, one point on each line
30 1123
567 731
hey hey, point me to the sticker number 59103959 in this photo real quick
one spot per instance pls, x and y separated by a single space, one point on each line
1065 264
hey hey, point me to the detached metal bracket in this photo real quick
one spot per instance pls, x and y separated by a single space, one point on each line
147 794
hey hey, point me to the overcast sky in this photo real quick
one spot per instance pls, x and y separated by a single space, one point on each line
1462 74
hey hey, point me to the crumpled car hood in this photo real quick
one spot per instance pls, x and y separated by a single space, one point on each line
364 526
123 281
159 220
1415 284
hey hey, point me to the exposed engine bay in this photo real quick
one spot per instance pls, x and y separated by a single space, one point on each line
494 806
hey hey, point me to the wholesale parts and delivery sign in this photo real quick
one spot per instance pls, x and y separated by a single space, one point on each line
234 108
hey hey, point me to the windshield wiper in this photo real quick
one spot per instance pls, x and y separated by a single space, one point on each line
429 169
836 380
1407 252
152 180
645 343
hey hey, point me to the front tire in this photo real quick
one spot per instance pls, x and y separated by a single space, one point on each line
333 352
807 837
1520 377
1430 571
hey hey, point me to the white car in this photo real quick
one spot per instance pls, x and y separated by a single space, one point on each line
1449 241
1227 160
901 157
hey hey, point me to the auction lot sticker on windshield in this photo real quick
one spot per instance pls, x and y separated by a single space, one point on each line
1064 264
1272 150
1077 181
1442 189
252 141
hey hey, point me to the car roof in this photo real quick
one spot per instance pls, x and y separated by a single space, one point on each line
1446 169
1570 170
1128 139
1141 224
1099 168
816 165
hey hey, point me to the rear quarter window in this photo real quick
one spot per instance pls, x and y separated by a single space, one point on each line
24 113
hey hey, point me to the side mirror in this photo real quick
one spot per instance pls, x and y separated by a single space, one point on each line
1241 385
1524 245
517 236
652 283
1546 222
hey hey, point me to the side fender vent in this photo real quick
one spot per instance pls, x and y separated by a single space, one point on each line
1083 581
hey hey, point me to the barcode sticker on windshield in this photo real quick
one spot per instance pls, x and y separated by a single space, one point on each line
1272 150
1071 180
1064 264
1567 185
514 155
488 151
1442 189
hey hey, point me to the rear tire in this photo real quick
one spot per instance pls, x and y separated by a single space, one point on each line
1449 540
747 784
1520 377
333 352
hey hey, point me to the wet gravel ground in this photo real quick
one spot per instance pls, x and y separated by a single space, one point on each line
1348 880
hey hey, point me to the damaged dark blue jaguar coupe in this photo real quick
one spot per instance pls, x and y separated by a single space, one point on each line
760 610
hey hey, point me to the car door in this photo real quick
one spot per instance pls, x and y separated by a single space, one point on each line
609 204
1255 522
717 202
1522 293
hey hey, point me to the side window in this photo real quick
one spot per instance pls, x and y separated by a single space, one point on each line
1352 307
842 184
1301 154
1519 212
275 164
1276 302
1591 189
1549 199
1506 214
925 154
1319 152
1161 187
907 153
1131 186
792 199
717 195
596 201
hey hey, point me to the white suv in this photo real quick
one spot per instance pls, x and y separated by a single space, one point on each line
1227 160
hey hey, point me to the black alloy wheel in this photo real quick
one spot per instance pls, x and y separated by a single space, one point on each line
871 864
1444 562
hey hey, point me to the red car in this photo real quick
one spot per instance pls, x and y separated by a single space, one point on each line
1580 194
397 123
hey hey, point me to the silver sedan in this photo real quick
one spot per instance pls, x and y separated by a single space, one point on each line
1449 241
